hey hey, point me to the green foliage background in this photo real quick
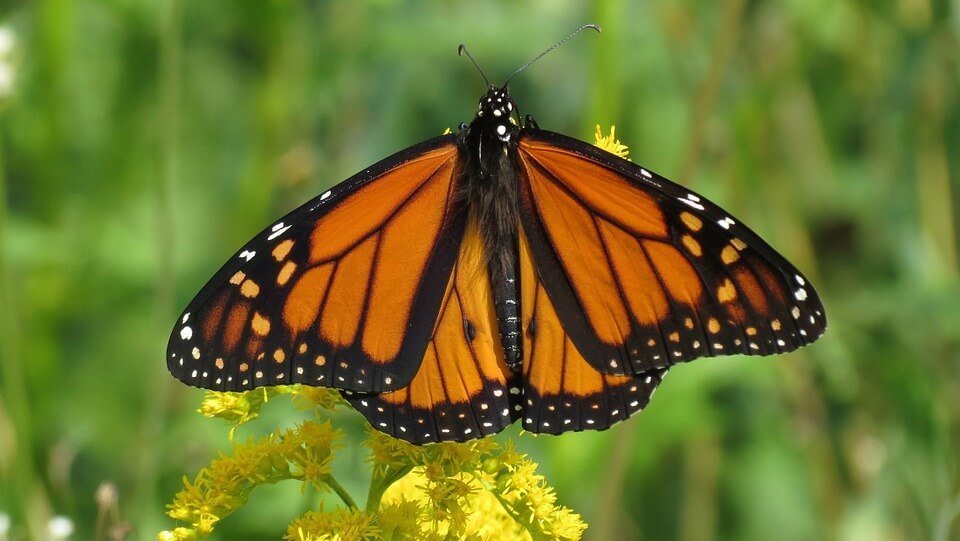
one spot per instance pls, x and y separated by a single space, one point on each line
145 141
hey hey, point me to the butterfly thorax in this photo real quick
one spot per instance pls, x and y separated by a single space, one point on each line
490 187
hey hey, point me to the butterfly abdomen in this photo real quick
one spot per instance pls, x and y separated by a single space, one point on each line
489 186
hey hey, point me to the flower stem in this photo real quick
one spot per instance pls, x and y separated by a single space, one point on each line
380 483
342 492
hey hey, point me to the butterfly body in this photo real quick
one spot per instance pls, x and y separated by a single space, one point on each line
491 193
500 273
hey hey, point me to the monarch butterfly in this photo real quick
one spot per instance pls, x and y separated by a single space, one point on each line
502 272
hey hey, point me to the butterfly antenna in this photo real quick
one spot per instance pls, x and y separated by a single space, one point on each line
552 47
462 50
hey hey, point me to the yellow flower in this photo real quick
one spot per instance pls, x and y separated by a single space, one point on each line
178 534
320 398
610 143
340 525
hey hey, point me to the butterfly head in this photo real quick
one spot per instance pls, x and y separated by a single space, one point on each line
496 107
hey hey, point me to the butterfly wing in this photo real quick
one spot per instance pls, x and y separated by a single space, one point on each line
562 392
343 292
644 273
463 389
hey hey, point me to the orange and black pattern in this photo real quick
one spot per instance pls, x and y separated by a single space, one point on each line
463 388
500 273
333 294
645 273
562 391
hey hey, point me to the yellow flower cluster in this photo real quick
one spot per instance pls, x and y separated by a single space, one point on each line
610 143
303 453
477 490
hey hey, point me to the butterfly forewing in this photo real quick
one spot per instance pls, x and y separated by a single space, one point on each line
644 273
332 298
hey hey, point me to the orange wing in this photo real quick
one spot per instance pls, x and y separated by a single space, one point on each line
343 291
463 389
563 392
643 273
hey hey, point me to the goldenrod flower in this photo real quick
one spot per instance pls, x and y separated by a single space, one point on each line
340 525
476 490
610 143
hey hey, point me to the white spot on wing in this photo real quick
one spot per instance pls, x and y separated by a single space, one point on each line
726 222
186 333
187 316
645 173
325 195
693 204
800 294
248 254
277 232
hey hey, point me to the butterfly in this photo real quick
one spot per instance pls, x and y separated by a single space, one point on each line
498 273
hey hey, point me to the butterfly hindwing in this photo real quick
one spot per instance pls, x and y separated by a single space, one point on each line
644 273
563 392
463 389
341 292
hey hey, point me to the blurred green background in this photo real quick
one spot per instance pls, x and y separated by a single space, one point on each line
142 142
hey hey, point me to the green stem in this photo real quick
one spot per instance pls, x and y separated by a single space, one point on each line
379 486
342 492
32 507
